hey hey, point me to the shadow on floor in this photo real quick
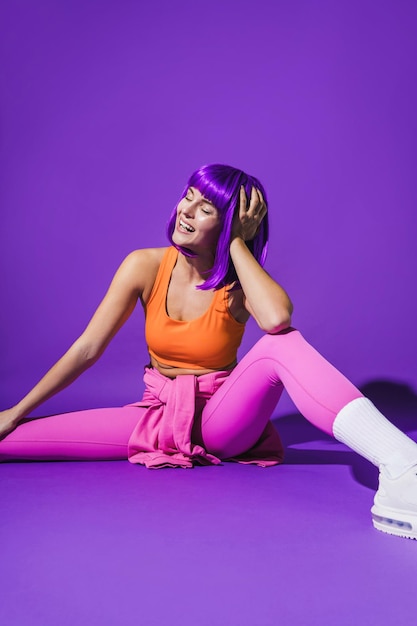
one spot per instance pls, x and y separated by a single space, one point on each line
306 445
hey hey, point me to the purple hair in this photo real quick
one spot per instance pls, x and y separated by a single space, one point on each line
220 184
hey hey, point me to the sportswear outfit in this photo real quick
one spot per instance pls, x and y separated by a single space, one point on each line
226 414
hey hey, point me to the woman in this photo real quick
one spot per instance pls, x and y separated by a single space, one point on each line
199 405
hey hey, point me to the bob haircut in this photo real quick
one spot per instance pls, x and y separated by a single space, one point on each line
220 184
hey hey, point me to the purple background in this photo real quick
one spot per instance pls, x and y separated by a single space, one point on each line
108 106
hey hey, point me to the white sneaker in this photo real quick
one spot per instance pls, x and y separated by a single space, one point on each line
395 504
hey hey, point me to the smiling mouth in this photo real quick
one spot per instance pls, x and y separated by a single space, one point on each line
186 227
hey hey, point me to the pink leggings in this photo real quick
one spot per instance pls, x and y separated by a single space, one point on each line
232 420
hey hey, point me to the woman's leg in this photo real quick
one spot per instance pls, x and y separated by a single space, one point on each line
95 434
236 415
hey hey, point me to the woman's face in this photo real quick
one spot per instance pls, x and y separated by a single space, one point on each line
198 222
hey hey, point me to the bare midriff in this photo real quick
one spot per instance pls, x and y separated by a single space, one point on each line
172 372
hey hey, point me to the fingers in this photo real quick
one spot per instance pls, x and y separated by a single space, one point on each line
251 213
257 205
256 199
264 208
243 205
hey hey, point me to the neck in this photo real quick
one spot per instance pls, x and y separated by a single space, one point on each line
196 268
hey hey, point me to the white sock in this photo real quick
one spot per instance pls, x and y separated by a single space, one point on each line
364 429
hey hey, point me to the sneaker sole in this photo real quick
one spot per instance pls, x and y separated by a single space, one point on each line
394 522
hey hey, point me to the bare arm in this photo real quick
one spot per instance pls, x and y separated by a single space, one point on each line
132 281
265 299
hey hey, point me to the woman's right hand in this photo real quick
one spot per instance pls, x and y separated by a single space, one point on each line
8 422
133 281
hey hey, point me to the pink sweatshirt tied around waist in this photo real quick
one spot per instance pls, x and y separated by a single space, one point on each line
162 436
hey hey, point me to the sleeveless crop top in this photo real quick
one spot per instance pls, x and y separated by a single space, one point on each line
207 342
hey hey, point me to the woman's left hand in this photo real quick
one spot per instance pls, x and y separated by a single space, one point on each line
247 220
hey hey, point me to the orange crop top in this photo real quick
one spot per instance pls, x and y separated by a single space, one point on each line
207 342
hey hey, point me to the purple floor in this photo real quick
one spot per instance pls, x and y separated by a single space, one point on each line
111 543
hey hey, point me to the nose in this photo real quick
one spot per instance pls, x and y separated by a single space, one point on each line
189 210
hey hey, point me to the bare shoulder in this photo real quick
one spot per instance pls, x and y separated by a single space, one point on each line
146 257
141 267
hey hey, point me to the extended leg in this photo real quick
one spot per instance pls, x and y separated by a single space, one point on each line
95 434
